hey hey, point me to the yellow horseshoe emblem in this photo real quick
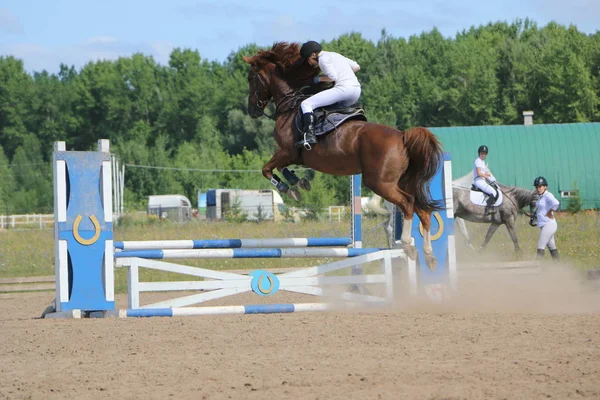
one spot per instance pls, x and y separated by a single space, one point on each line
86 242
440 221
270 285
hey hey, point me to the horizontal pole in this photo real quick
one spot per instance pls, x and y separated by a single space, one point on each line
245 253
232 243
285 283
196 311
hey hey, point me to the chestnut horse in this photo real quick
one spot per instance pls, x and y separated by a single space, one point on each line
394 164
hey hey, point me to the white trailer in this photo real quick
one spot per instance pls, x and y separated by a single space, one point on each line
255 204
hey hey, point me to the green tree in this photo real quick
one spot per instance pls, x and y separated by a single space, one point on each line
15 92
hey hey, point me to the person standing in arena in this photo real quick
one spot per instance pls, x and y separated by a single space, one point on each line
546 205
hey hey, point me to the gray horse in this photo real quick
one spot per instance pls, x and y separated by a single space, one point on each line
514 200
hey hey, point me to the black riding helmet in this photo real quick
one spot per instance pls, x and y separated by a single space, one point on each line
540 181
308 48
482 149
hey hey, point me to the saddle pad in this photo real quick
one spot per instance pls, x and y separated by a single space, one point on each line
480 198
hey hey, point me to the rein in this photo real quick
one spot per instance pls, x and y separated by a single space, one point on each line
520 210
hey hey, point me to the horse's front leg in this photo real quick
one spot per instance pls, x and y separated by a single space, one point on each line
293 179
425 217
280 159
510 226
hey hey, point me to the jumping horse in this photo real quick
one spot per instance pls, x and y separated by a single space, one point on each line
397 165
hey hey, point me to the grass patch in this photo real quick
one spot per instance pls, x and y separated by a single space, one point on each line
31 252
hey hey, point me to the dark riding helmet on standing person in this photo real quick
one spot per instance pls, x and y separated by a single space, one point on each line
540 181
482 149
308 48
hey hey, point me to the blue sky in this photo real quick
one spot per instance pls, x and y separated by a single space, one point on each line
45 33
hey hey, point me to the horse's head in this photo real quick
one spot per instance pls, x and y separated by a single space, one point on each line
533 202
259 85
275 74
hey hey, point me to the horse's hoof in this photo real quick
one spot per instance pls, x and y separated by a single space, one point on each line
411 251
304 184
431 262
294 194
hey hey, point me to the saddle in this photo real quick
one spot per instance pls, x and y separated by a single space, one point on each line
330 117
480 198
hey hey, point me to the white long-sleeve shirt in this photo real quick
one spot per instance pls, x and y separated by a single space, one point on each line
479 163
338 68
546 202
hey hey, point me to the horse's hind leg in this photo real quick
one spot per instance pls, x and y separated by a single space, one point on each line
488 236
406 203
425 217
280 159
463 228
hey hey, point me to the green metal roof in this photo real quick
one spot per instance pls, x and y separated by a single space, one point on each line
562 153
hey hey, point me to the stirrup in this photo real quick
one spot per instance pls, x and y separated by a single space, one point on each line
307 145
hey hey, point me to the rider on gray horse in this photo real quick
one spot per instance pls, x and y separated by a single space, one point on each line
483 178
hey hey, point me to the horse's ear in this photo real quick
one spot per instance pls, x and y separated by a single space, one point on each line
247 59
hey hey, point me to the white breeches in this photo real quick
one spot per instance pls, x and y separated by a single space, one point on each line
547 235
345 96
484 186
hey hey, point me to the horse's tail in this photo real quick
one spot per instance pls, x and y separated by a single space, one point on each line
424 152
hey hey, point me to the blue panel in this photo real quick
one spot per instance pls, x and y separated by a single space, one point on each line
360 252
150 254
269 308
320 242
357 180
86 282
150 312
256 253
217 244
440 244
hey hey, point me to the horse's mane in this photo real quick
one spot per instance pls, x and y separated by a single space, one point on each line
523 196
286 56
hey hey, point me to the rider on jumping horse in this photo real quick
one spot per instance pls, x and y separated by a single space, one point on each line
345 92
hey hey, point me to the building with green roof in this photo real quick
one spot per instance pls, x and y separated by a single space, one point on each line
565 154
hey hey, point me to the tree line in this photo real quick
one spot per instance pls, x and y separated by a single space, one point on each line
189 117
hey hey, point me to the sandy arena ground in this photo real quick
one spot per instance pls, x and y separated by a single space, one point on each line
510 338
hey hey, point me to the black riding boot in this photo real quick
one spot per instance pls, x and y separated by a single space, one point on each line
308 121
492 199
540 254
554 254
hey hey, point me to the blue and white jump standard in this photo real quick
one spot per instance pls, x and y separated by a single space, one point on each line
86 256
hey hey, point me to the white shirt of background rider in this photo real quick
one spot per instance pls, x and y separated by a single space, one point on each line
483 169
339 68
546 203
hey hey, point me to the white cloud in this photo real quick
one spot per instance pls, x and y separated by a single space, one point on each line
162 50
101 40
9 23
37 58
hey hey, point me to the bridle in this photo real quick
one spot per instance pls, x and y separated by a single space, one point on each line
261 104
291 99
